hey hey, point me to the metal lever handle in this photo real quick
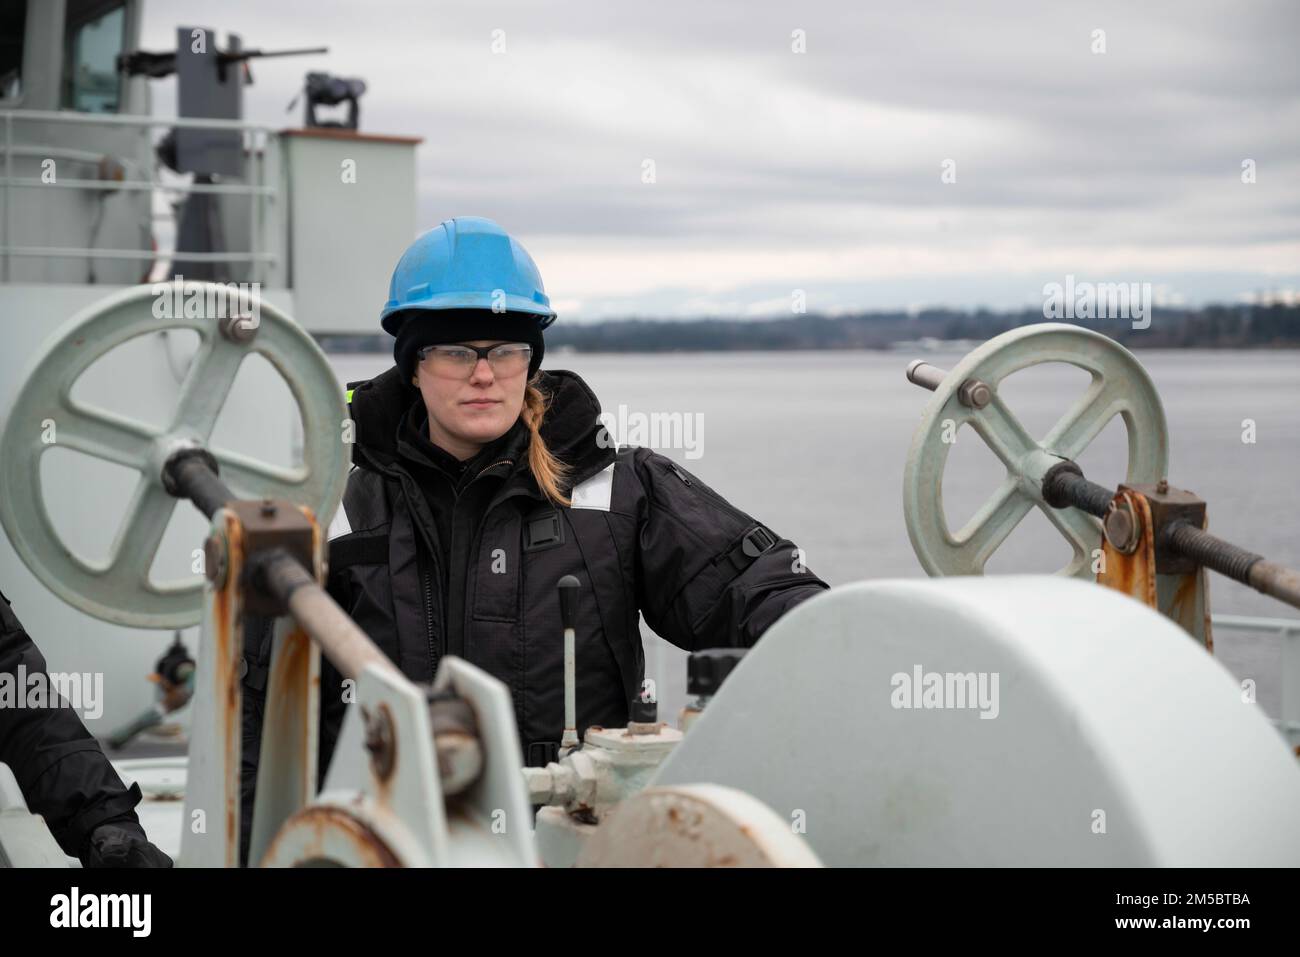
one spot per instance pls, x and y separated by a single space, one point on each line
568 586
974 393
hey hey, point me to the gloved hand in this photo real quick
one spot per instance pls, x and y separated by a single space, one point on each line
122 844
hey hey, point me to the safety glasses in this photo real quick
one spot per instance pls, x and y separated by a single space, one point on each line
459 361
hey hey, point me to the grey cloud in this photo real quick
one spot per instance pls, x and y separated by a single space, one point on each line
1054 145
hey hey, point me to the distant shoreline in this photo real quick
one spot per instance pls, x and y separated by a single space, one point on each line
1212 327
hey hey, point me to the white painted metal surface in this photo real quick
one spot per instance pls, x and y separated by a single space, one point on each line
290 734
162 783
1106 717
352 209
497 803
363 818
587 785
701 825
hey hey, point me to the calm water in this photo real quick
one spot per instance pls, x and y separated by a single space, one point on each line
814 444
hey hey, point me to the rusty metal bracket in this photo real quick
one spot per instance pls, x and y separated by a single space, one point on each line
271 525
1169 505
1133 561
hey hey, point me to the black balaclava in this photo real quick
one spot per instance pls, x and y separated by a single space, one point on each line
426 327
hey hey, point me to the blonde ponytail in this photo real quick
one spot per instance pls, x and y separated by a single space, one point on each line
549 471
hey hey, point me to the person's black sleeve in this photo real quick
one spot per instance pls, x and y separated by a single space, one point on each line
63 773
709 575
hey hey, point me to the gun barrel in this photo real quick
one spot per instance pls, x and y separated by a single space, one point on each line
251 54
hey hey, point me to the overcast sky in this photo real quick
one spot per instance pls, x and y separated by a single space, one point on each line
821 170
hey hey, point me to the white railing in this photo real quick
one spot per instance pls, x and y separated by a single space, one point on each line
259 140
1288 629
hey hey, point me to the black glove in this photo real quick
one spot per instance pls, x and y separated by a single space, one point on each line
122 844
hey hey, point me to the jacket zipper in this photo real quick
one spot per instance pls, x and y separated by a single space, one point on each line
428 624
435 654
681 475
709 494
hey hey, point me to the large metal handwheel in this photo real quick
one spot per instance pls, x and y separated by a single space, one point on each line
1120 386
120 590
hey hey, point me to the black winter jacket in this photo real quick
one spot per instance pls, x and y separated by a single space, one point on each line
643 535
61 770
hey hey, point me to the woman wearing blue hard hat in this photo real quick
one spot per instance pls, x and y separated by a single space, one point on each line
480 480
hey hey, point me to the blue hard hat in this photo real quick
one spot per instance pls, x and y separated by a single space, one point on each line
466 263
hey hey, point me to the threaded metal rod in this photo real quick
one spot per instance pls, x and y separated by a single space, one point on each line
1065 487
1208 550
1251 569
193 475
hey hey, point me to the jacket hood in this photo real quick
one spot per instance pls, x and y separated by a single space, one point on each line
570 427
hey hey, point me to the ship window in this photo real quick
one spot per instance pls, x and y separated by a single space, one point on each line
13 30
92 39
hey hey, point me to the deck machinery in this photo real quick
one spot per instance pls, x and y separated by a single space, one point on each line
967 720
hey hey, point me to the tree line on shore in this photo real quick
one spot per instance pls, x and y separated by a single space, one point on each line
1208 327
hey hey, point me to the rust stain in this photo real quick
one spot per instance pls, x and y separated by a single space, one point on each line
1182 608
1207 624
1134 575
229 641
320 572
322 821
292 698
382 789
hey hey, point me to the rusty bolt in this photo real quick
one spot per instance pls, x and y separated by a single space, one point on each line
214 560
268 508
974 394
239 329
380 742
460 760
1162 486
1121 527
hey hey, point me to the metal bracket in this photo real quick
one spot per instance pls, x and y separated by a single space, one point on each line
1133 562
